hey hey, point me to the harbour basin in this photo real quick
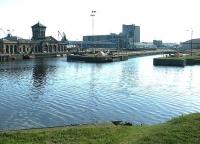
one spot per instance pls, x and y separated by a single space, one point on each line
53 92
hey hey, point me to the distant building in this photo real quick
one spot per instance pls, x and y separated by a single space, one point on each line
158 43
145 45
14 45
131 32
45 44
38 31
130 35
195 43
40 43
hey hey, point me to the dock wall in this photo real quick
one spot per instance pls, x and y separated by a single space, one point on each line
169 62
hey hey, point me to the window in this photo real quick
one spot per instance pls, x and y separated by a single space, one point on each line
7 48
11 49
15 48
24 48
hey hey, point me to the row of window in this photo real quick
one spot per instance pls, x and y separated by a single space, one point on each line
12 49
38 34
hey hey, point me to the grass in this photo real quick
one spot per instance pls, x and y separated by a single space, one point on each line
181 130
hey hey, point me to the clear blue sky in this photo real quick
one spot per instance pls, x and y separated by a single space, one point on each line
166 20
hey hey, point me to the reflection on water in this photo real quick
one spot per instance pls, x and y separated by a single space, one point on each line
39 75
52 92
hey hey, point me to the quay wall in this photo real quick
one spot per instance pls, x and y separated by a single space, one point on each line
97 59
192 61
169 62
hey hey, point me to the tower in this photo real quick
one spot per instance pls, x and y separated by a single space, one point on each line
131 31
38 31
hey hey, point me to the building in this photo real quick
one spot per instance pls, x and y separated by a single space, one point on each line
145 45
194 43
40 43
158 43
131 32
14 45
130 35
45 44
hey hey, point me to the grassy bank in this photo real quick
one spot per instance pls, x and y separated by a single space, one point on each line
181 130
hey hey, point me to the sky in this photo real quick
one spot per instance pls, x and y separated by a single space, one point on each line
166 20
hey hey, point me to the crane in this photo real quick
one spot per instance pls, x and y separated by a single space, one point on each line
8 31
3 31
63 36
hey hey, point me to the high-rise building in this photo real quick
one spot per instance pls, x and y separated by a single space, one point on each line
131 32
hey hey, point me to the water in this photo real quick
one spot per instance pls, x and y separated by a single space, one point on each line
53 92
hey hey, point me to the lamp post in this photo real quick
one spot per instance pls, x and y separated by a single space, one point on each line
93 15
191 41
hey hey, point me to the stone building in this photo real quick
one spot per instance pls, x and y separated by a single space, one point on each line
40 43
14 45
45 44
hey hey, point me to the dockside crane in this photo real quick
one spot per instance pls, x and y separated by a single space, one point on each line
63 36
8 33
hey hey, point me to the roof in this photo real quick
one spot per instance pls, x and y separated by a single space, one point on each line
9 37
48 39
38 25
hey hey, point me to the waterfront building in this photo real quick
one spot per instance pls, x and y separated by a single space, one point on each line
130 34
45 44
145 45
194 43
40 43
158 43
14 45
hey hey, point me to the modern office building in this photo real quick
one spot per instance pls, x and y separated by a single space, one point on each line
130 34
158 43
194 43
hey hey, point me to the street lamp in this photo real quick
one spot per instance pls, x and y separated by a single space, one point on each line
93 15
191 41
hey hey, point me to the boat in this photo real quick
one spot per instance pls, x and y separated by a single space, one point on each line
28 56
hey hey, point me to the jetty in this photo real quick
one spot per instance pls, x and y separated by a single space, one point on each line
91 58
177 59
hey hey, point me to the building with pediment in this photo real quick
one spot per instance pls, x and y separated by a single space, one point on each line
39 43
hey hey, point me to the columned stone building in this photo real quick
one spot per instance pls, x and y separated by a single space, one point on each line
14 45
38 44
45 44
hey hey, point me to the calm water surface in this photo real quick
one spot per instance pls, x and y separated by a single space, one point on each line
53 92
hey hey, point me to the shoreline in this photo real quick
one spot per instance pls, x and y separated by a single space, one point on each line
130 53
182 129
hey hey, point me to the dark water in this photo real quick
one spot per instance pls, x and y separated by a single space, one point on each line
53 92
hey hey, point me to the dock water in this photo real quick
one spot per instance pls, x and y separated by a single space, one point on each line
4 58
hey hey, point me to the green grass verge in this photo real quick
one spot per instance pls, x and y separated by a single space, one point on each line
181 130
